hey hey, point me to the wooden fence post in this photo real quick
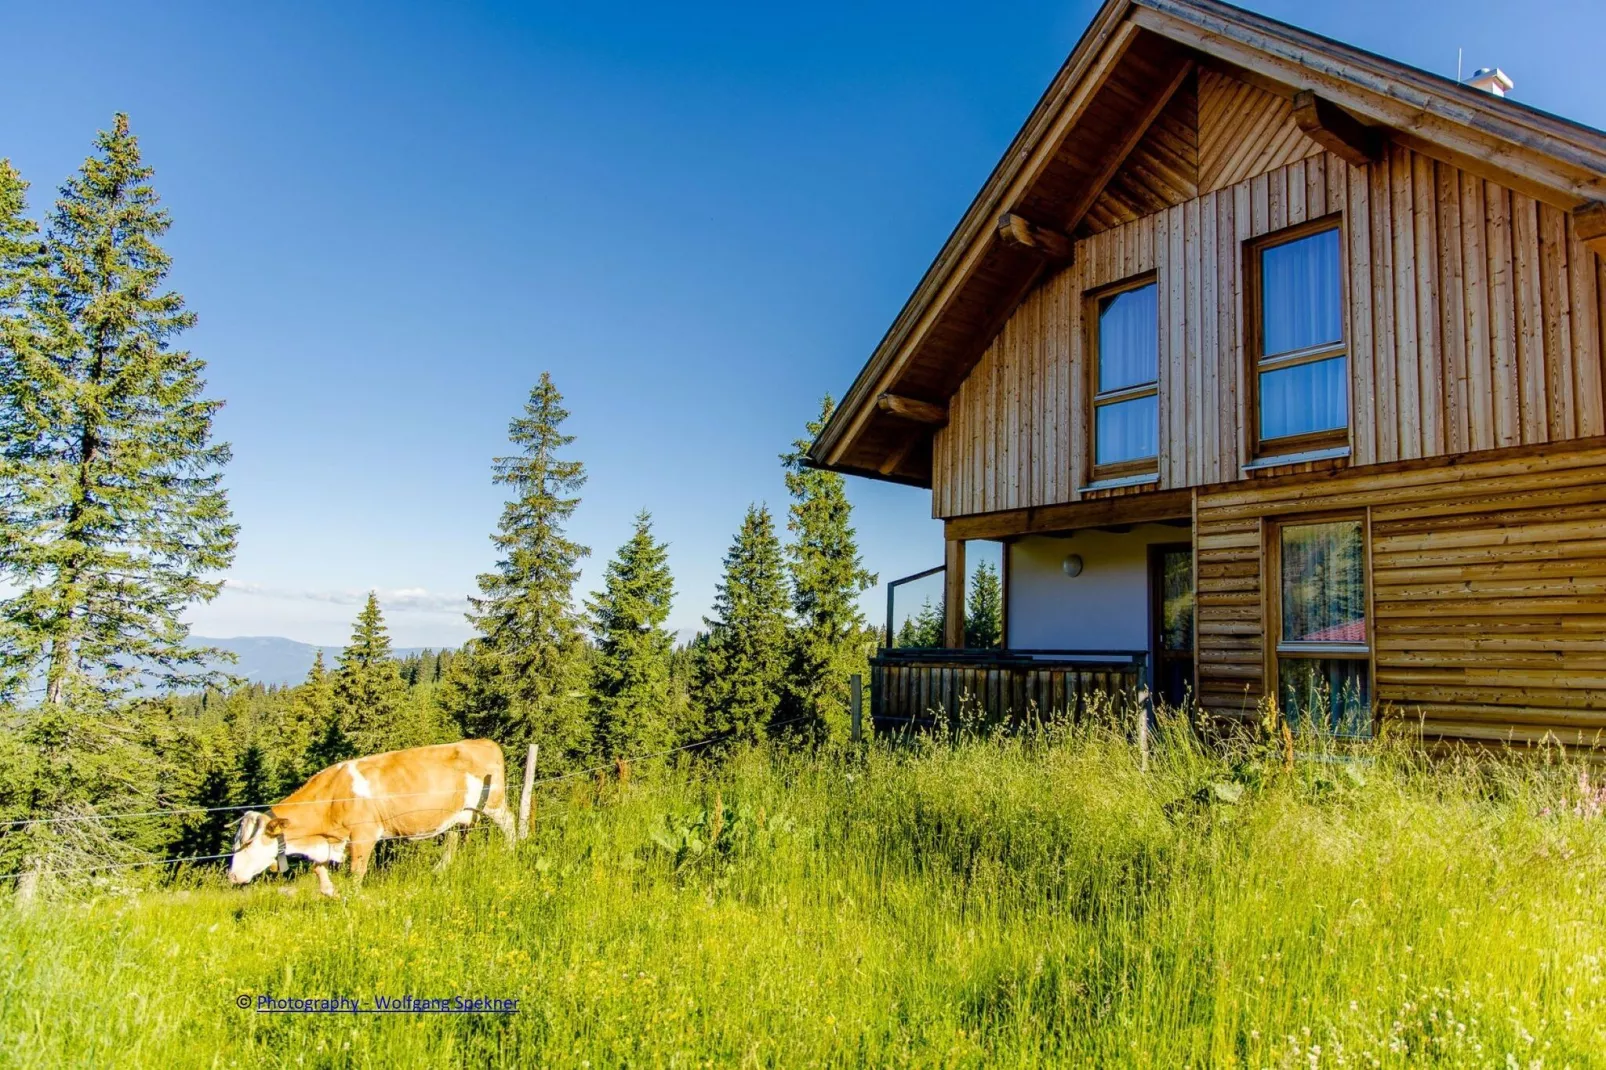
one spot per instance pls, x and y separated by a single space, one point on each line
856 705
529 787
28 885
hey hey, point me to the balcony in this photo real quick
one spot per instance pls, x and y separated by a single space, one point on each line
918 688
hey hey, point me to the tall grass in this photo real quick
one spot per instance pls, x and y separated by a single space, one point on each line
989 903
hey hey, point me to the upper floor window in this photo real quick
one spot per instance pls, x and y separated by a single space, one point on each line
1126 411
1302 378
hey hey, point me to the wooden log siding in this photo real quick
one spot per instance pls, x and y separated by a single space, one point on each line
1488 588
1474 322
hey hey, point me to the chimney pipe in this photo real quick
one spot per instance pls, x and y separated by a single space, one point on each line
1491 80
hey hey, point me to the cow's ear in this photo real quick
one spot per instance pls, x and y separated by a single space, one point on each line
276 826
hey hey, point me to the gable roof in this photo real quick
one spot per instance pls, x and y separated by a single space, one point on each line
1133 58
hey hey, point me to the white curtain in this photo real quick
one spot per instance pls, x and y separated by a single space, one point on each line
1303 398
1129 339
1128 430
1300 294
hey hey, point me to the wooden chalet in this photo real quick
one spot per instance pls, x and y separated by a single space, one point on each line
1276 366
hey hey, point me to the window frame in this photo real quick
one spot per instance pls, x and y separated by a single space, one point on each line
1091 299
1276 648
1260 363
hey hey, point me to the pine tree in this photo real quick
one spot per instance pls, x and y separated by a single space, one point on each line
113 509
741 665
523 679
634 712
368 689
984 615
830 641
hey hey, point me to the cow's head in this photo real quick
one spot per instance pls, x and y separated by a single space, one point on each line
256 845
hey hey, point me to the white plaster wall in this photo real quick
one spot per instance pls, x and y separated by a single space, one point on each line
1105 608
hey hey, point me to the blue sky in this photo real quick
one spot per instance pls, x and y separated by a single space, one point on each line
700 218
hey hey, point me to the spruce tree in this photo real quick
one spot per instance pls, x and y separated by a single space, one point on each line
21 259
830 641
368 689
631 692
113 509
923 629
522 680
984 611
741 663
315 738
255 779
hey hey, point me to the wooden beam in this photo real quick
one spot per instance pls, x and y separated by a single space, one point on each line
1017 232
953 598
1590 223
1136 132
1336 130
921 412
895 458
1147 507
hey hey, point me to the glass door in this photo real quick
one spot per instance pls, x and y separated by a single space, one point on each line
1171 590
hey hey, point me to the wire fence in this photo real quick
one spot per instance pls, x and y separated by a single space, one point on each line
238 807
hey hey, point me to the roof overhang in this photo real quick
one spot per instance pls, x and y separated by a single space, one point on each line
1121 73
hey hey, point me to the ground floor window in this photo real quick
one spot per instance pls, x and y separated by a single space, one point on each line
1323 650
1328 691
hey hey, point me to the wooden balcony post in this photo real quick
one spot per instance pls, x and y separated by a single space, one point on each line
953 598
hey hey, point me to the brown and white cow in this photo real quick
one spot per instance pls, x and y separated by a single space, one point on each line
345 809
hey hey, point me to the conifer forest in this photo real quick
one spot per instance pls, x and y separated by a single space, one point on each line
114 518
716 870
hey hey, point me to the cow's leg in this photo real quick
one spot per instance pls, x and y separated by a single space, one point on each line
359 852
450 851
325 885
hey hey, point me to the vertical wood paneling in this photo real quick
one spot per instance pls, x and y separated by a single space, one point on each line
1384 362
1242 409
1430 350
1557 322
1451 291
1475 305
1363 381
1475 321
1192 362
1586 337
1531 378
1407 366
1502 316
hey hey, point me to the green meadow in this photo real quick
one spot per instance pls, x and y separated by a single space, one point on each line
996 902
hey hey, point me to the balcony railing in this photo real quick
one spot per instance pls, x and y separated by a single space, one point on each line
918 688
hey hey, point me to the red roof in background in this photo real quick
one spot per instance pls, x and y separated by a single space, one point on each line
1353 631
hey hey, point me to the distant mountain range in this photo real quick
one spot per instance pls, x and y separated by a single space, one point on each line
271 659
